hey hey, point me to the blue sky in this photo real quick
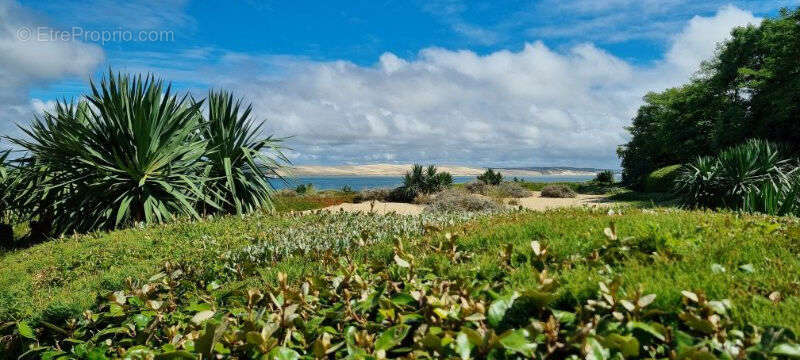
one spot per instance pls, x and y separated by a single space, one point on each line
514 83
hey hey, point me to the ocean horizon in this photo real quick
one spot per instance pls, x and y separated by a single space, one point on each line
336 182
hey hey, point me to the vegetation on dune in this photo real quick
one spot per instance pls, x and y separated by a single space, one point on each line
420 180
748 90
491 177
506 189
558 191
753 177
670 281
134 152
455 200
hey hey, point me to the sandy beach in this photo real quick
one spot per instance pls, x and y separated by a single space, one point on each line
534 202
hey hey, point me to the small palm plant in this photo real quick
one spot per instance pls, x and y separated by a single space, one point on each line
241 160
130 153
753 177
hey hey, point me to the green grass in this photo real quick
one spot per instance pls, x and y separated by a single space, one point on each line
312 201
61 278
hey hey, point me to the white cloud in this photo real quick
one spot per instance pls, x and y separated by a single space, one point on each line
26 62
697 41
536 106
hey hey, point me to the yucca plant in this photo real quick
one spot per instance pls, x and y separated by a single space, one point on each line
753 177
130 153
242 161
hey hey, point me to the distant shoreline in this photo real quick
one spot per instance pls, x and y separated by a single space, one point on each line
401 169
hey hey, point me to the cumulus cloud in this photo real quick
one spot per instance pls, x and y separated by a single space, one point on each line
26 63
536 106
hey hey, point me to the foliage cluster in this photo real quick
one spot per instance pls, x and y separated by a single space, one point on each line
748 90
491 177
662 180
133 151
754 176
558 191
505 189
420 180
484 293
605 176
457 200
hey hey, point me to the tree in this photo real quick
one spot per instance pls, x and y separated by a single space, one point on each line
491 177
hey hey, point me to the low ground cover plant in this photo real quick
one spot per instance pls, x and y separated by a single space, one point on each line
558 191
547 285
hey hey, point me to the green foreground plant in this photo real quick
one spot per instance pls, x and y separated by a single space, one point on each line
401 304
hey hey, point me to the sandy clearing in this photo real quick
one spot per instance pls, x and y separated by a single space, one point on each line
535 202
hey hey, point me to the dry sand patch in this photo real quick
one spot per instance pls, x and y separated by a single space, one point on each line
534 202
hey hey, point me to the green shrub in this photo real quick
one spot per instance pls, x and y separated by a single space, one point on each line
134 152
606 176
662 180
421 180
303 189
752 177
477 187
508 189
241 160
491 177
558 191
461 201
372 195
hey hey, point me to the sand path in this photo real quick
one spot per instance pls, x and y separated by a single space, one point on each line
535 202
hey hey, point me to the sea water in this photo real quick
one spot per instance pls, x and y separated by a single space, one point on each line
369 182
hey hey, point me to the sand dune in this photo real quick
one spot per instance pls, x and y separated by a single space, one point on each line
534 202
400 169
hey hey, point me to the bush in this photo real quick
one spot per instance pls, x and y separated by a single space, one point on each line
477 187
558 191
458 201
303 189
662 180
241 160
509 190
286 193
403 194
752 177
606 176
428 180
134 152
491 177
372 194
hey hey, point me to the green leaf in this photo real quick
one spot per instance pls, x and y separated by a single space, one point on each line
517 341
647 328
463 346
283 353
26 330
497 310
403 299
392 337
595 351
788 350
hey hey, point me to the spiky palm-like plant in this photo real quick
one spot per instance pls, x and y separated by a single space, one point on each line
241 160
131 153
753 177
